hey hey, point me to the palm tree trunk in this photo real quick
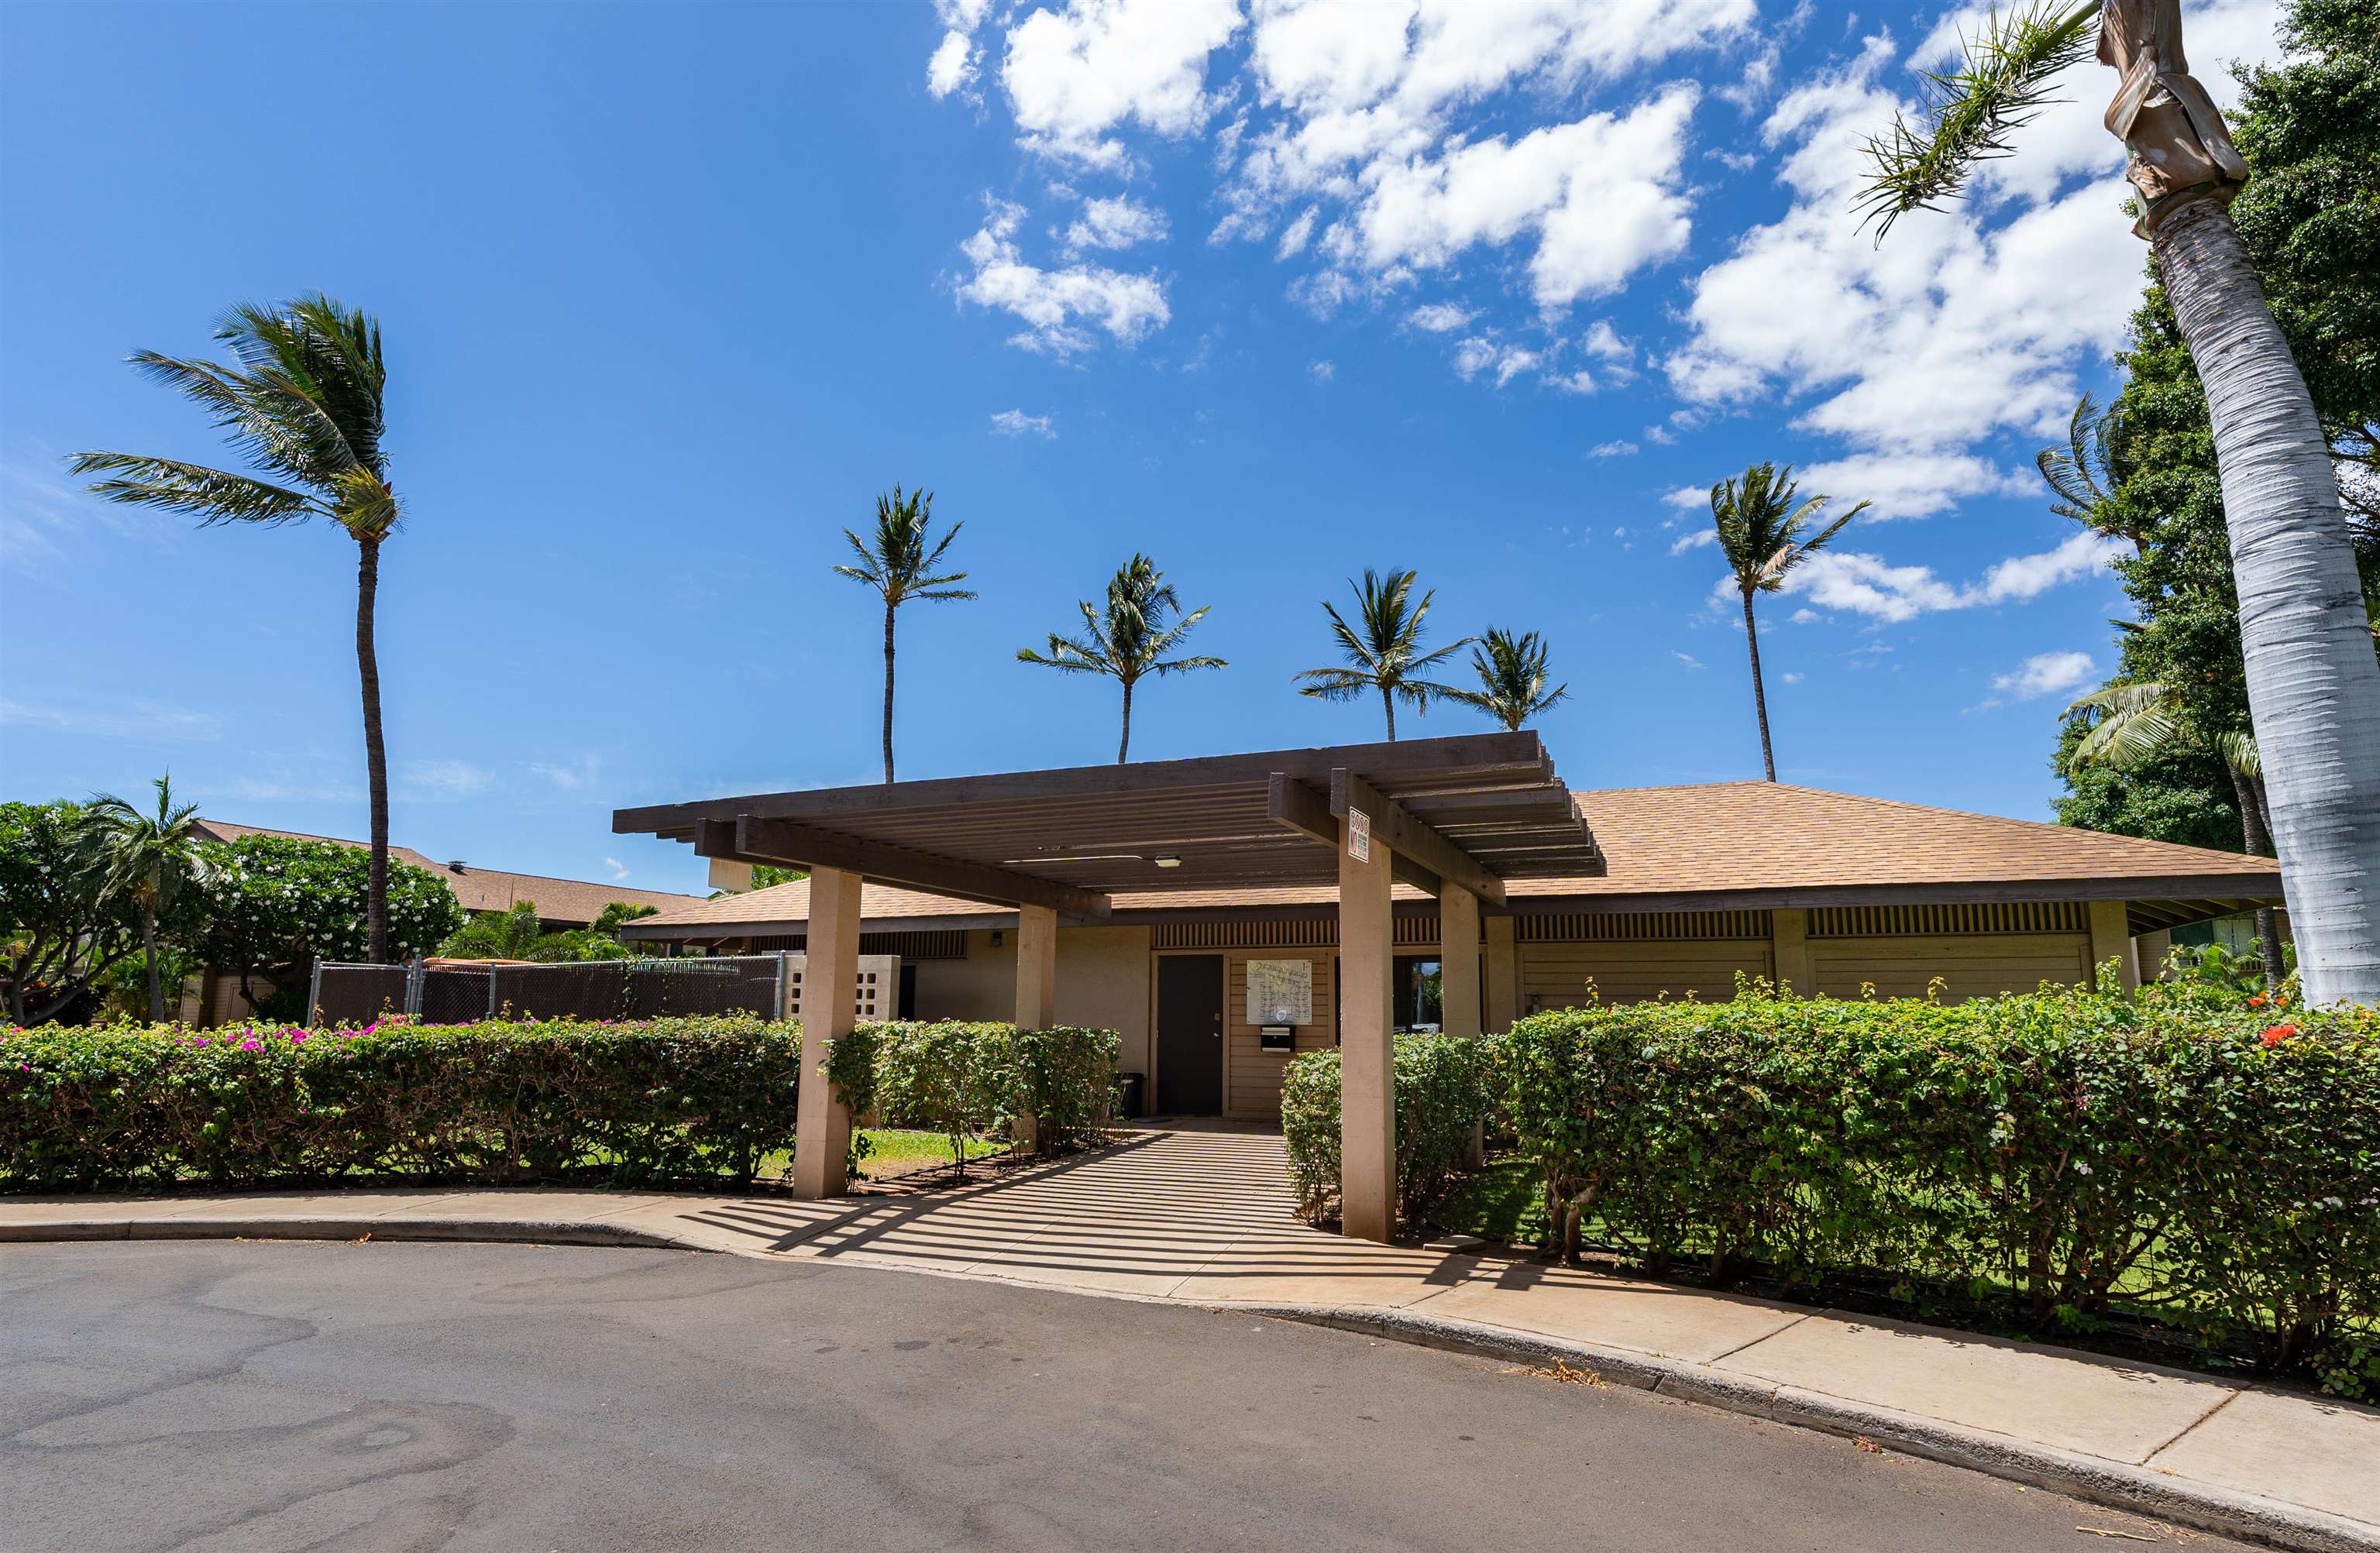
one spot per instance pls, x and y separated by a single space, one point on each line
1759 696
2313 683
1124 746
1389 705
888 691
2256 832
149 952
375 750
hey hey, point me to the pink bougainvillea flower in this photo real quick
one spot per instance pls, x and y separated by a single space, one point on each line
251 1044
2276 1034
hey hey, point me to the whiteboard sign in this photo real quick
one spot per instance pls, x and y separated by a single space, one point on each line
1359 835
1281 992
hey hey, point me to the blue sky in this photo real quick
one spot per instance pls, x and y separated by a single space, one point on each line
671 291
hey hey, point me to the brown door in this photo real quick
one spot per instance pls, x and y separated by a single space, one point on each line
1190 1035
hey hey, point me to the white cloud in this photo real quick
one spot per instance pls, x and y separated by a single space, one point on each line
2022 576
1687 498
575 776
1910 484
1016 423
1056 305
2045 673
619 869
1580 381
440 779
1503 362
1864 584
1295 237
1791 676
109 719
1118 223
1620 447
1323 371
1074 76
953 65
1440 318
1687 658
1694 539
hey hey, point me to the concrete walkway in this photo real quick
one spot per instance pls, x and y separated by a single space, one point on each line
1202 1217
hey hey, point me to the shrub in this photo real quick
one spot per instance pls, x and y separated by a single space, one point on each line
1440 1096
698 1098
948 1076
1066 1079
2078 1149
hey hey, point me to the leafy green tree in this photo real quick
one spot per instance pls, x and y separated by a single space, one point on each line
1382 648
148 858
302 406
898 561
62 930
2307 623
277 903
2181 794
1512 676
1764 533
1128 636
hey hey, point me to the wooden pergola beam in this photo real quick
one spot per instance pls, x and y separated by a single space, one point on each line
1412 839
1295 807
752 840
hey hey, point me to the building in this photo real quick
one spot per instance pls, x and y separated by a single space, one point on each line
1621 894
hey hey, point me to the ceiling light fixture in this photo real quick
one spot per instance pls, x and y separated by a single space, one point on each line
1168 860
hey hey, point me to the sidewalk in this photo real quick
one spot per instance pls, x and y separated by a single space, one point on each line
1201 1219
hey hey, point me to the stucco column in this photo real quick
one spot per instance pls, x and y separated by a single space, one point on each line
1789 943
1368 1114
1503 989
830 1010
1458 959
2111 938
1037 967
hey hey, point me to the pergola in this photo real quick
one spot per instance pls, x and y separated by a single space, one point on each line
1454 817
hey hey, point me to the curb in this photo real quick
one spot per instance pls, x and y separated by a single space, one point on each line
2118 1485
543 1232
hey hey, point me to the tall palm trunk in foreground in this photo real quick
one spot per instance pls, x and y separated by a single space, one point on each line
2313 683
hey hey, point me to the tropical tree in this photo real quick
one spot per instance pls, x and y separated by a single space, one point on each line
2087 475
277 903
1512 676
1128 636
1382 648
64 934
2312 678
302 406
1761 533
2131 725
517 933
896 561
147 859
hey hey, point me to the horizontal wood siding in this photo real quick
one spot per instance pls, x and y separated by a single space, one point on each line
1252 1077
1558 975
1970 965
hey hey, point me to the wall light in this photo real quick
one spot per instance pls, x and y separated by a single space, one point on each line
1168 860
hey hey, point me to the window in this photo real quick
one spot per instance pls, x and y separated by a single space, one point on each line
1418 992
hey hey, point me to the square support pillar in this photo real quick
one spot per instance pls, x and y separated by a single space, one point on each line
1037 967
1368 1113
1789 943
1503 989
829 1011
1458 959
2111 938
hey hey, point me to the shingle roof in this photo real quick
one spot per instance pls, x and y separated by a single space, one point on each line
558 900
1714 838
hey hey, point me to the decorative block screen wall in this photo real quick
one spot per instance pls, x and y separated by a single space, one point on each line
879 987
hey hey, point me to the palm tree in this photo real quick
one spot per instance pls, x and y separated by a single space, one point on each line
1512 677
2314 682
1760 531
2130 724
1128 636
1386 651
302 406
2083 476
895 562
147 859
517 933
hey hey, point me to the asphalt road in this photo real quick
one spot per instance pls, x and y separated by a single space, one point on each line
212 1396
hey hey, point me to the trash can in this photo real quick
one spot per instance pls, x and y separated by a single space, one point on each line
1133 1086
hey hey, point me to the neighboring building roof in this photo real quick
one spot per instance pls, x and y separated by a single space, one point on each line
558 900
1706 846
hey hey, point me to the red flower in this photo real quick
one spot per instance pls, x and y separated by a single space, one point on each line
2276 1034
2257 1001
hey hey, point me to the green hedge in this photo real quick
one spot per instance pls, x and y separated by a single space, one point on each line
1440 1096
2169 1152
963 1079
675 1100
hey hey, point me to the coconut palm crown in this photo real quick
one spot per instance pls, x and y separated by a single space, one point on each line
1128 636
1382 648
1764 533
1513 675
898 561
148 857
302 406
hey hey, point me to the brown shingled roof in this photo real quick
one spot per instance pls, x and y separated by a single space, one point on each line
558 900
1762 842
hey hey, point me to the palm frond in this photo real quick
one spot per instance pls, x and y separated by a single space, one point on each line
1969 113
1334 684
209 495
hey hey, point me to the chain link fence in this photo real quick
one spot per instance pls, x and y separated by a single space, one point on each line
465 993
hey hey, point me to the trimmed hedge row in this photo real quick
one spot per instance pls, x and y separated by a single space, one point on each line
1441 1084
2169 1153
698 1098
963 1079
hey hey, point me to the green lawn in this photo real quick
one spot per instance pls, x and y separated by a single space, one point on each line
894 1151
1501 1203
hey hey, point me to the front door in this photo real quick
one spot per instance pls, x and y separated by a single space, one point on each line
1190 1035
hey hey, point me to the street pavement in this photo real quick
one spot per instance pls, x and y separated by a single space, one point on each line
263 1395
